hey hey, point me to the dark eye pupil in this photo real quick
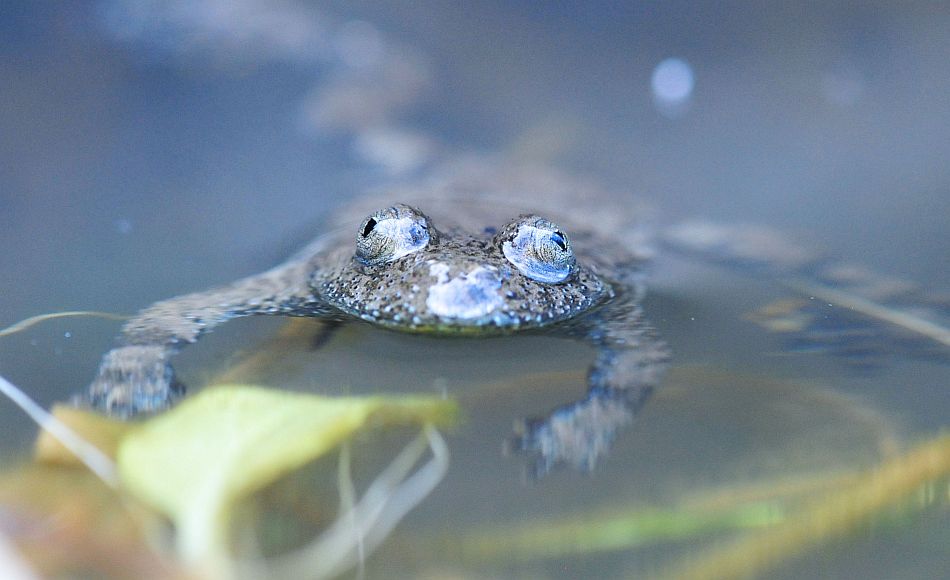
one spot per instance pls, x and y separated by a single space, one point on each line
558 238
368 228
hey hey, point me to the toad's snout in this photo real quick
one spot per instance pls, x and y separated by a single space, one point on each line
467 294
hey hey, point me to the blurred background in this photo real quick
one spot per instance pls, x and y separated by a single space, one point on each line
151 148
146 147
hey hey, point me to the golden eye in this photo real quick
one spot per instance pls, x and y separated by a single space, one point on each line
539 249
390 234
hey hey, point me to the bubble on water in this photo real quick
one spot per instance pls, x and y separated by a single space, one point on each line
843 86
672 83
123 226
68 334
359 44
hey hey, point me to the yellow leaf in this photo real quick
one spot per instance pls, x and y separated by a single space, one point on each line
102 432
195 461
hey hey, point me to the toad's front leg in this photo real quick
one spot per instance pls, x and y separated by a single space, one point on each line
137 377
630 363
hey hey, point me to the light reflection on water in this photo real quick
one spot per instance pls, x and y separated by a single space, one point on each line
672 83
195 143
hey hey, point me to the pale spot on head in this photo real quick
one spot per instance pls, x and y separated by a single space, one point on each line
467 296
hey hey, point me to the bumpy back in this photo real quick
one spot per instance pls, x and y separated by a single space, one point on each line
607 229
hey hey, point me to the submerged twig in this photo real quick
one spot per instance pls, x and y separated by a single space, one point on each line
389 498
348 505
593 533
293 336
874 310
91 456
12 565
835 515
763 249
34 320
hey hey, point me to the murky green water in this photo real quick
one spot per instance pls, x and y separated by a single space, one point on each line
145 152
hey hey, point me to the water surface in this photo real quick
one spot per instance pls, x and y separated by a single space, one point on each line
148 151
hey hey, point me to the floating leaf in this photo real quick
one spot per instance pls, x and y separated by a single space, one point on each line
224 443
100 431
68 524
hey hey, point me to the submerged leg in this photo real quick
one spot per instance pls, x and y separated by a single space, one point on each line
137 377
630 362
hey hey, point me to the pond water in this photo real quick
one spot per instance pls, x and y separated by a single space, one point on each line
149 150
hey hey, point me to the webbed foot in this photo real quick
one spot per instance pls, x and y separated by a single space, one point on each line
576 435
133 380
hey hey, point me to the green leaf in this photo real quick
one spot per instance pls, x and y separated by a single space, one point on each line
619 529
195 461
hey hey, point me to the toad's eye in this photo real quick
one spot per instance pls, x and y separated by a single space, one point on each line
390 234
539 249
368 228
